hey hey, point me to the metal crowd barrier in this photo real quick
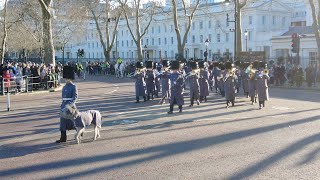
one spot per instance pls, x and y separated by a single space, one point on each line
30 83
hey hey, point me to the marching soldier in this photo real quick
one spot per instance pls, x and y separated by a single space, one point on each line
150 80
239 74
204 81
252 71
220 79
69 96
165 79
262 84
211 80
193 78
216 72
156 79
140 85
230 79
176 87
245 78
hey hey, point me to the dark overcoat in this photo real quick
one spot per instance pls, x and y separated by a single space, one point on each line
253 85
216 72
245 83
69 96
262 86
150 81
176 89
165 83
157 81
230 83
194 86
204 82
140 84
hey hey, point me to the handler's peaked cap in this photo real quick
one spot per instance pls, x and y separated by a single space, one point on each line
68 72
139 65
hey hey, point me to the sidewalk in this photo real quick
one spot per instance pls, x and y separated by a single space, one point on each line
303 87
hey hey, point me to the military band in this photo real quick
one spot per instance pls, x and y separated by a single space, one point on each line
226 78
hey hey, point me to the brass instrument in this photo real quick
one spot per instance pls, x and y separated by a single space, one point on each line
231 73
139 71
266 71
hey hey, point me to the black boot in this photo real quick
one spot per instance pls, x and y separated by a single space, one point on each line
137 99
152 97
144 98
227 104
260 104
263 103
205 99
148 97
180 109
247 94
63 137
252 100
171 109
255 99
232 102
201 99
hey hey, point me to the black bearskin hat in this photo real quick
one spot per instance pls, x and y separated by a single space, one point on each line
68 72
139 65
175 65
155 65
194 65
228 65
262 64
238 63
166 63
149 64
221 66
201 64
255 64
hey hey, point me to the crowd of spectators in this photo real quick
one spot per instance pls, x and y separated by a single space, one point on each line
41 76
108 68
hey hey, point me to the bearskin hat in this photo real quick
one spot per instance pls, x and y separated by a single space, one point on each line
166 63
175 65
262 64
68 72
194 65
139 65
228 65
215 64
149 64
201 64
238 63
255 64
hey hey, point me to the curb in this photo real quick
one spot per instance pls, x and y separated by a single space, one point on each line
57 89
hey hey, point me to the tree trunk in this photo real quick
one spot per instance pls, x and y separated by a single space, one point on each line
239 30
315 25
5 33
106 54
47 42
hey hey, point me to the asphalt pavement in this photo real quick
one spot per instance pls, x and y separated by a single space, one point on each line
141 141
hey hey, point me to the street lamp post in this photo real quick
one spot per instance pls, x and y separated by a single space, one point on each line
145 52
235 26
206 43
246 36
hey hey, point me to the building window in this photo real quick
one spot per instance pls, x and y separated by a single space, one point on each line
152 30
209 24
152 41
193 39
274 20
249 35
171 40
88 45
201 53
147 42
201 25
165 54
227 37
122 43
122 32
201 38
165 40
131 54
141 41
93 45
159 29
193 26
313 56
209 37
172 53
250 20
127 43
159 40
218 38
131 42
263 20
283 21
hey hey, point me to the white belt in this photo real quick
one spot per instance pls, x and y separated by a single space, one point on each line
67 99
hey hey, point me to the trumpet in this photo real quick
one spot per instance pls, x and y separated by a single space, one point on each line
266 71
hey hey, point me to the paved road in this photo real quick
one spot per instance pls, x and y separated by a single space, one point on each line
140 141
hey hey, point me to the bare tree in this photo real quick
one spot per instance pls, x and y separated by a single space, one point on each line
110 19
181 41
49 54
316 21
137 13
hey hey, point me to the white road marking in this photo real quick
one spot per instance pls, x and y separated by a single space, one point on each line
282 108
